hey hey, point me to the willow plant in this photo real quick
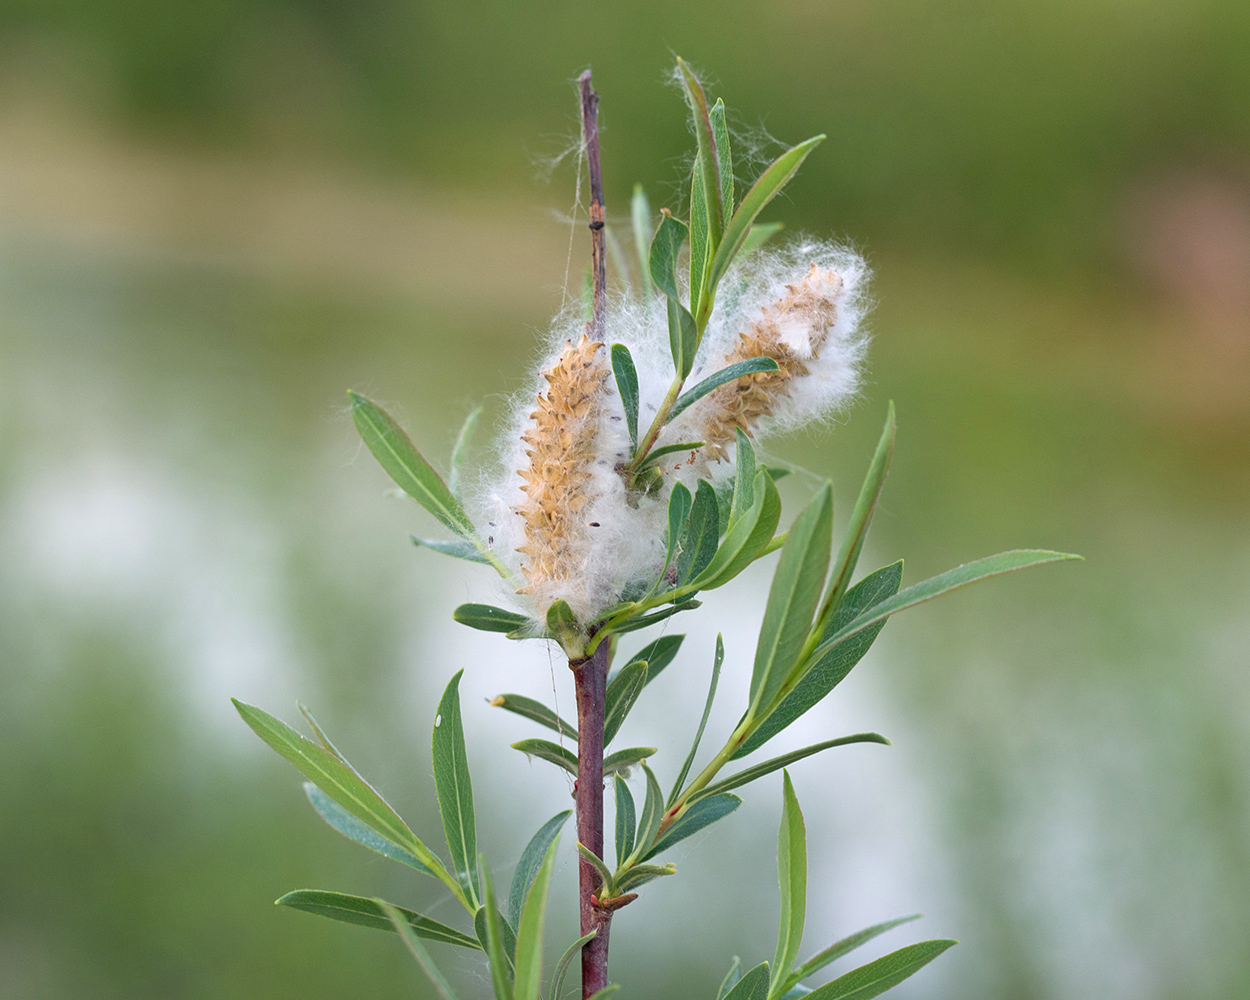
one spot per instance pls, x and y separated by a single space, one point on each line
623 493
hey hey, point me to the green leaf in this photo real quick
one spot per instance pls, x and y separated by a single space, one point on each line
652 815
701 814
623 760
845 947
823 675
706 141
861 517
724 156
700 235
679 503
529 938
702 535
535 711
396 454
415 946
792 877
461 449
626 821
367 913
455 787
683 337
640 875
732 977
496 949
337 779
793 597
707 710
670 449
458 550
560 617
665 249
488 618
606 992
622 692
562 966
744 477
643 621
744 540
509 936
759 234
640 216
943 583
550 752
627 385
785 760
885 973
658 655
607 888
752 986
531 860
766 187
750 366
349 826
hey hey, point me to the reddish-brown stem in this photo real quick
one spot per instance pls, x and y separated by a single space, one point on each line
590 677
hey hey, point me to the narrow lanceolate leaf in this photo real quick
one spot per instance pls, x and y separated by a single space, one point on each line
509 936
700 235
702 534
943 583
761 193
658 655
458 550
531 861
344 786
824 674
707 710
744 477
496 951
683 337
626 821
640 216
655 454
727 374
455 788
861 517
679 503
529 936
759 234
885 973
644 621
652 814
706 141
488 618
349 826
621 695
720 133
640 875
785 760
844 947
745 539
792 877
732 977
406 466
535 711
665 249
367 913
623 760
627 385
411 939
793 597
702 814
602 871
562 966
752 986
461 449
551 752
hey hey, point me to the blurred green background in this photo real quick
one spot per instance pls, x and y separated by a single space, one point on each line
216 217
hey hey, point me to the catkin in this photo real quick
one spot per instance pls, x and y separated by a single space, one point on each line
558 482
791 332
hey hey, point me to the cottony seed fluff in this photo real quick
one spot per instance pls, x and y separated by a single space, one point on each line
791 332
557 484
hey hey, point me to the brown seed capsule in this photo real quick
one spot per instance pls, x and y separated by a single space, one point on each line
557 483
791 332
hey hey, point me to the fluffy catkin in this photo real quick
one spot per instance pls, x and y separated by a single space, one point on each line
559 482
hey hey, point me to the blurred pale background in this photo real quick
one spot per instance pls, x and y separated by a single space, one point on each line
216 217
